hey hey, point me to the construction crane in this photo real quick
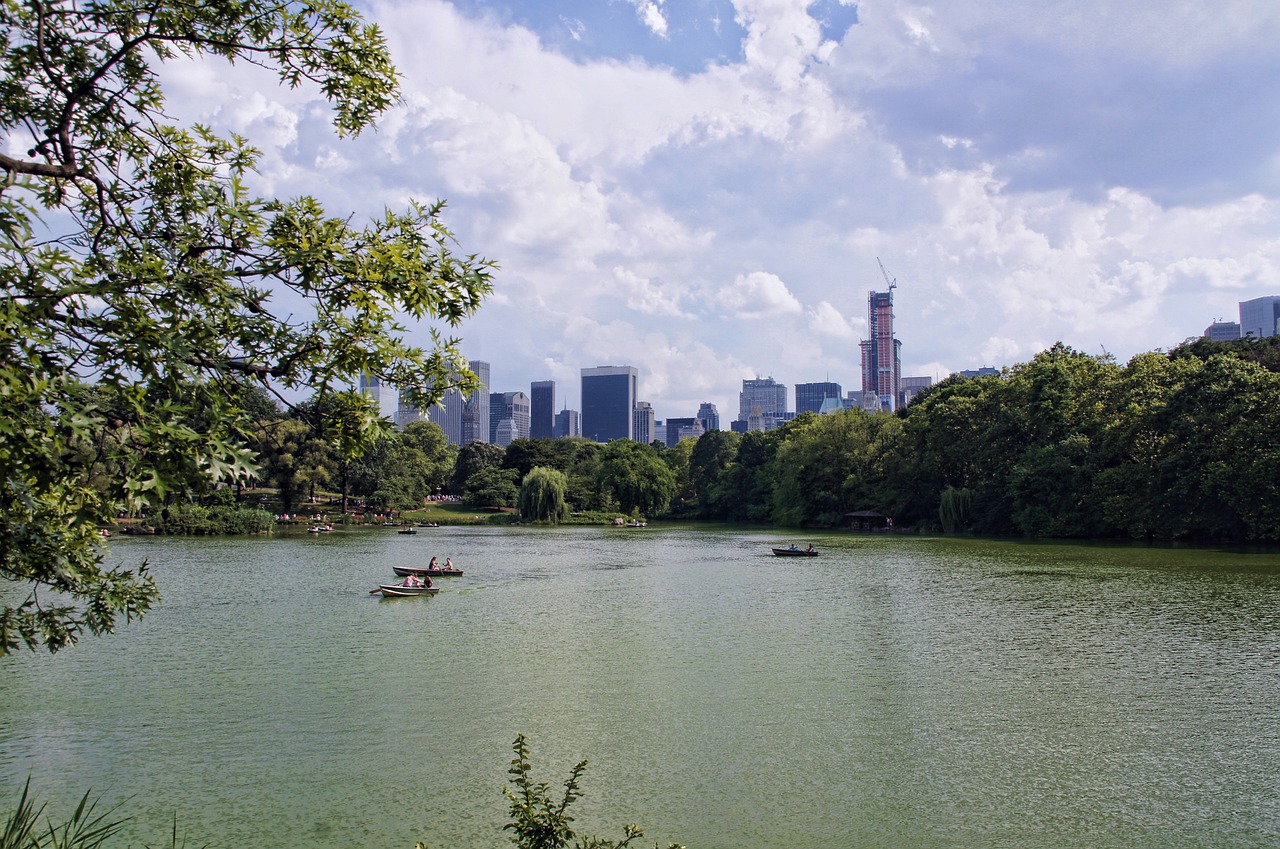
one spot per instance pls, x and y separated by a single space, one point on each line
893 282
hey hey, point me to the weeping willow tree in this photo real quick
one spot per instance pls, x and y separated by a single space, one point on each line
542 496
955 509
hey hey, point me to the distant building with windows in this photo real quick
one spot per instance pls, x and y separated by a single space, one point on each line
1260 317
384 397
678 429
1222 331
448 415
609 402
985 371
566 424
766 394
810 397
542 409
407 414
508 417
643 428
911 387
475 410
881 354
709 416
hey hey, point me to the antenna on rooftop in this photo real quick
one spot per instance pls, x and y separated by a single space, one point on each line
893 282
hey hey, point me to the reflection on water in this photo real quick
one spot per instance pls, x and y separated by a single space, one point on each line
895 692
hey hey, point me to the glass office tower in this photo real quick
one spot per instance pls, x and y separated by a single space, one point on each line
609 402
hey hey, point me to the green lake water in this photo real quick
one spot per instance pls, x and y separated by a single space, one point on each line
913 693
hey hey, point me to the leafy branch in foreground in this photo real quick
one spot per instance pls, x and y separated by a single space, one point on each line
145 286
540 821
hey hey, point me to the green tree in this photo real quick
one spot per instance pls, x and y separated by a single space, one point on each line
713 454
542 496
293 458
829 465
523 455
637 477
684 501
133 251
435 457
474 457
585 492
492 486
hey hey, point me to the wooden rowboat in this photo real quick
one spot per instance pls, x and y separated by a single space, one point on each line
794 552
401 591
405 571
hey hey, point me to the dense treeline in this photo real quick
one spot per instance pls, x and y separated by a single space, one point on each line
1177 445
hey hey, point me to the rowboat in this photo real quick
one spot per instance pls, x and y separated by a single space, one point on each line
407 531
405 571
794 552
400 590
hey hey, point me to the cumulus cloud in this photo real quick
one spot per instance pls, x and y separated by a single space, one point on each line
827 320
650 12
758 294
1105 175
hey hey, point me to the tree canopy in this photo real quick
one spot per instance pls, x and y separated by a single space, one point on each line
136 257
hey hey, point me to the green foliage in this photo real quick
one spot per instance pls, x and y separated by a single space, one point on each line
637 477
474 457
294 458
954 509
827 466
713 454
133 251
542 496
540 820
87 828
492 486
194 520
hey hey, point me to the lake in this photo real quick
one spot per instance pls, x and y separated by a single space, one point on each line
898 692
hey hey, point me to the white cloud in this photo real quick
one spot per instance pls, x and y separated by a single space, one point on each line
651 16
643 295
758 294
826 320
1102 174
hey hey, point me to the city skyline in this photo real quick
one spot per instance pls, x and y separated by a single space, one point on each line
708 190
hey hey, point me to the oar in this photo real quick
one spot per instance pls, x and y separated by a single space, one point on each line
375 592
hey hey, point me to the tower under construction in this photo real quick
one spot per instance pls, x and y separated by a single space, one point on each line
881 352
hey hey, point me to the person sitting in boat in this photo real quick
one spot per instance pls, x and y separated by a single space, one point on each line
426 581
411 580
434 564
448 563
794 547
810 548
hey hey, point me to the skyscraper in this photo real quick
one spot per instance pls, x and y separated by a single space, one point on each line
448 414
683 428
1260 317
383 396
542 409
475 412
881 354
709 416
642 431
567 424
508 417
769 396
810 396
609 402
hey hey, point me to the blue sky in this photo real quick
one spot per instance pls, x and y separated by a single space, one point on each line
702 189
